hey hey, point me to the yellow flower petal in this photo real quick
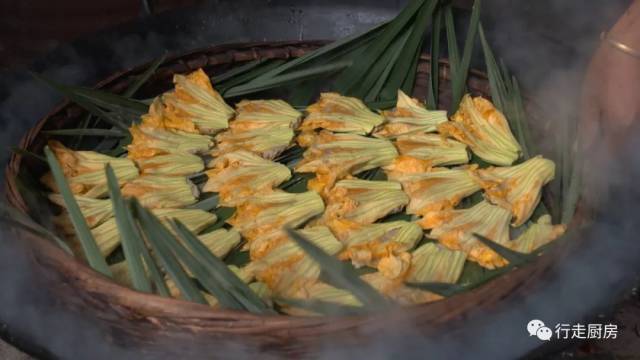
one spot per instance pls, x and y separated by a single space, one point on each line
85 170
438 189
458 226
339 113
150 141
107 235
240 174
175 164
518 188
260 215
367 244
364 201
195 100
334 156
481 126
155 191
536 235
410 117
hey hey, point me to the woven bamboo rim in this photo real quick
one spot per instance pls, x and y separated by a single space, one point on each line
145 320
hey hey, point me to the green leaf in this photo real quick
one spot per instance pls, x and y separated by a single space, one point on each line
131 242
158 237
459 82
452 42
249 76
513 257
404 72
297 183
202 273
206 204
432 99
345 45
280 80
496 82
144 77
229 281
85 132
154 270
352 77
389 59
323 307
339 274
238 70
84 103
442 289
89 246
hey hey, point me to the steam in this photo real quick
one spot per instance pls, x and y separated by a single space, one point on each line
546 43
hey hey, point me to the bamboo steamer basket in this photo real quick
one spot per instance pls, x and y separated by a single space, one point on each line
156 324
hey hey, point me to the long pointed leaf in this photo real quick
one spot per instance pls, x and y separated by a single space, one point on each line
203 273
350 78
88 243
452 42
348 42
131 243
144 77
288 78
513 257
237 70
432 99
240 291
460 81
339 274
157 236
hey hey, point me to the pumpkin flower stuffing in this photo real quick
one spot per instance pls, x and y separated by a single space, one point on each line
194 100
264 127
363 201
174 164
239 174
410 117
286 268
338 113
107 235
536 235
438 189
456 231
368 244
155 191
84 170
148 141
267 143
264 114
485 129
518 188
263 214
419 153
335 156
